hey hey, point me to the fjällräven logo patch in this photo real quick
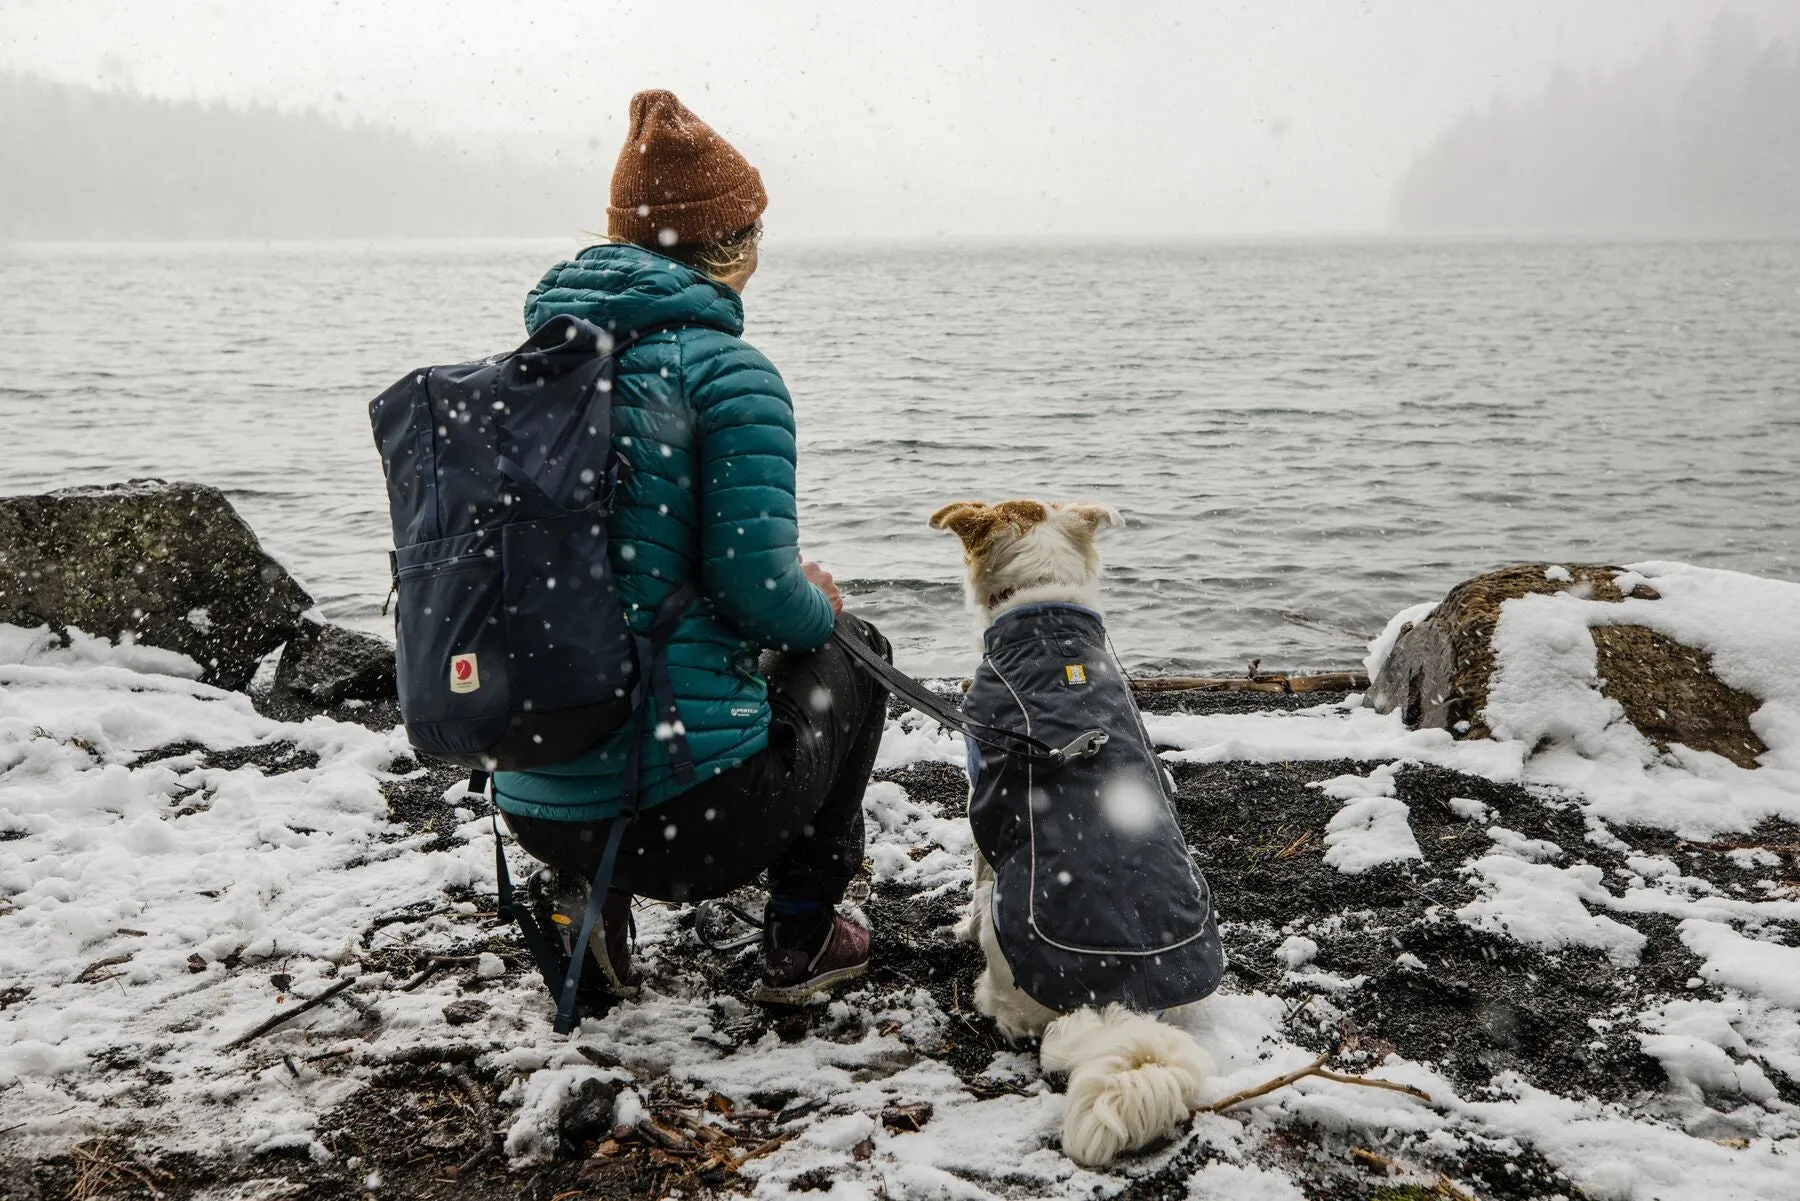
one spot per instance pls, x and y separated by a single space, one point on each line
1075 673
465 673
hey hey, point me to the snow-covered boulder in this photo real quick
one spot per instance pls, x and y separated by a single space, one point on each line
327 664
169 565
1653 665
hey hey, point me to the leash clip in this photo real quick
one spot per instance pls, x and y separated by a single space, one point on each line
1085 746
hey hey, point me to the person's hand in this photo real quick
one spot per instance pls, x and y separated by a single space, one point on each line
822 580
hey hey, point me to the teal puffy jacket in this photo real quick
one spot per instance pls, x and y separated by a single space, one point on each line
709 429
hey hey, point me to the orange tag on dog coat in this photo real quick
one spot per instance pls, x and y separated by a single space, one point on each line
1075 673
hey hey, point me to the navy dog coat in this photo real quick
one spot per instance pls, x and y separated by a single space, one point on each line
1096 897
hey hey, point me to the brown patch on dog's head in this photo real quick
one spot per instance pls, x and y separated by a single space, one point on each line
969 520
979 524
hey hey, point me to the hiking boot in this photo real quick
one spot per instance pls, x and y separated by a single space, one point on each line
614 933
797 965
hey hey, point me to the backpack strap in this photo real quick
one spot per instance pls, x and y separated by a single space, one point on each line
543 953
653 680
563 977
548 960
652 649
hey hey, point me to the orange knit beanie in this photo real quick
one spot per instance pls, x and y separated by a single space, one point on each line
677 182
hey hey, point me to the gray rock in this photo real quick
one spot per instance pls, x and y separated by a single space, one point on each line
171 565
328 664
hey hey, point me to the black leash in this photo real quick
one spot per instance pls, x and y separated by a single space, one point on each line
1008 742
652 686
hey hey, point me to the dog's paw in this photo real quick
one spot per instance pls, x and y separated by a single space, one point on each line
1016 1015
968 928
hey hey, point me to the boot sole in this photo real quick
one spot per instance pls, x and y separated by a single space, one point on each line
795 994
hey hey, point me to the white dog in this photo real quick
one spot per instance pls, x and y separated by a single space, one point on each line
1131 1078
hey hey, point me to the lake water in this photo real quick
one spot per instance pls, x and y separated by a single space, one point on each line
1303 438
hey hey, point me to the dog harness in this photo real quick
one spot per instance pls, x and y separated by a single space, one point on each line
1096 896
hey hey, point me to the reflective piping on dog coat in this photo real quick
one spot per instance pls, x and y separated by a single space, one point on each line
1096 897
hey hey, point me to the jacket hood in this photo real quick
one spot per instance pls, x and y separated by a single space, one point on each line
624 288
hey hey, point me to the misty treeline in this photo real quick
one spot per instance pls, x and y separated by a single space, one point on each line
81 162
1699 141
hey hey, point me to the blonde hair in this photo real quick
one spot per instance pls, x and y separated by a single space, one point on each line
720 261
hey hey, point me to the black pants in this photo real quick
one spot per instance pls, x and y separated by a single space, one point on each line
794 809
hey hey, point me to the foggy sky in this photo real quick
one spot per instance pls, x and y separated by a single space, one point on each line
1235 117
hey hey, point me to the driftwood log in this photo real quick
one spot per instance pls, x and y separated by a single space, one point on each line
1333 681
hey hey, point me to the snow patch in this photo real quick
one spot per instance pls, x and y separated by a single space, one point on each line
1373 827
1297 950
1547 907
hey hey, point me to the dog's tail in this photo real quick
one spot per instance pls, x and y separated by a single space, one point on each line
1131 1079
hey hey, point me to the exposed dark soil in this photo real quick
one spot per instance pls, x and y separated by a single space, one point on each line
1485 1003
274 758
1480 1005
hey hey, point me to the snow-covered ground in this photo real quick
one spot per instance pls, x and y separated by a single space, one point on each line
175 869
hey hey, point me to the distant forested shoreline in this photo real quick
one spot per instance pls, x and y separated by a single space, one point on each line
1702 142
82 162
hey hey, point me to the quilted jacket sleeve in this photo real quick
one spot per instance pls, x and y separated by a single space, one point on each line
749 529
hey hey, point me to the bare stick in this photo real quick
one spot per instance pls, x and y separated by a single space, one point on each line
436 965
1371 1082
484 1118
1267 1087
1315 1068
88 974
765 1148
281 1019
1370 1159
454 1053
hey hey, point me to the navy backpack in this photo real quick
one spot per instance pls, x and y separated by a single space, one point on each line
512 646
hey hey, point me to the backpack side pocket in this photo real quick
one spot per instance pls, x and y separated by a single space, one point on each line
450 645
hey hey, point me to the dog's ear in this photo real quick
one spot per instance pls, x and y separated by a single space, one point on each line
970 520
1091 516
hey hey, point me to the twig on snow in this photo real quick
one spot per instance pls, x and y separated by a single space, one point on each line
324 1055
437 964
1371 1082
1249 1094
769 1147
1779 848
453 1053
282 1019
87 975
1315 1068
1363 1157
